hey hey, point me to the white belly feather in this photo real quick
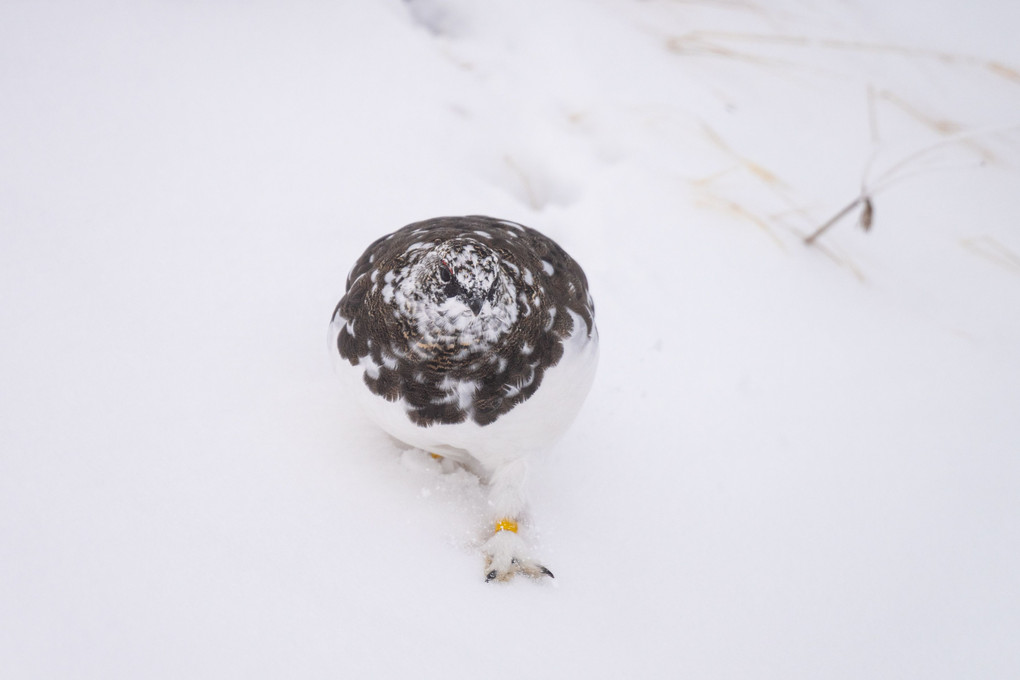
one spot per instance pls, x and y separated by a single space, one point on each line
529 427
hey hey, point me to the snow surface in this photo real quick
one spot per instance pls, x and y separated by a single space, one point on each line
796 462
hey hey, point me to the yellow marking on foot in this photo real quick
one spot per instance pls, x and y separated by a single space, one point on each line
436 456
506 524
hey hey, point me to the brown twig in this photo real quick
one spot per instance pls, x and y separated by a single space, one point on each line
840 215
893 175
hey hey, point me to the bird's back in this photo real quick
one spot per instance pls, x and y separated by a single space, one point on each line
455 389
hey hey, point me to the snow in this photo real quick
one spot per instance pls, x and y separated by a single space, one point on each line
796 462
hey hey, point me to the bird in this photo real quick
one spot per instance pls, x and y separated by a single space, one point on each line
474 339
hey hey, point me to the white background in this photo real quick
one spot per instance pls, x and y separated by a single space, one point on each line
796 462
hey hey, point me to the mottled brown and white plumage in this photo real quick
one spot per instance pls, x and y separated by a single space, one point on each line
472 338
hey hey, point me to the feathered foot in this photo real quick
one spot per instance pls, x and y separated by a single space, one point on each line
505 555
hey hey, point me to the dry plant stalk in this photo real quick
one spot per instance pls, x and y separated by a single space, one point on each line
894 174
867 216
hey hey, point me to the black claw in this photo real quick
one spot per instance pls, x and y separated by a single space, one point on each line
514 561
490 576
545 571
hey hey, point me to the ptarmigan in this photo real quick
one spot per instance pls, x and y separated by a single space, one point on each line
474 339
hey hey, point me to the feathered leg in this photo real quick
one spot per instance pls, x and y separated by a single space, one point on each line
505 552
